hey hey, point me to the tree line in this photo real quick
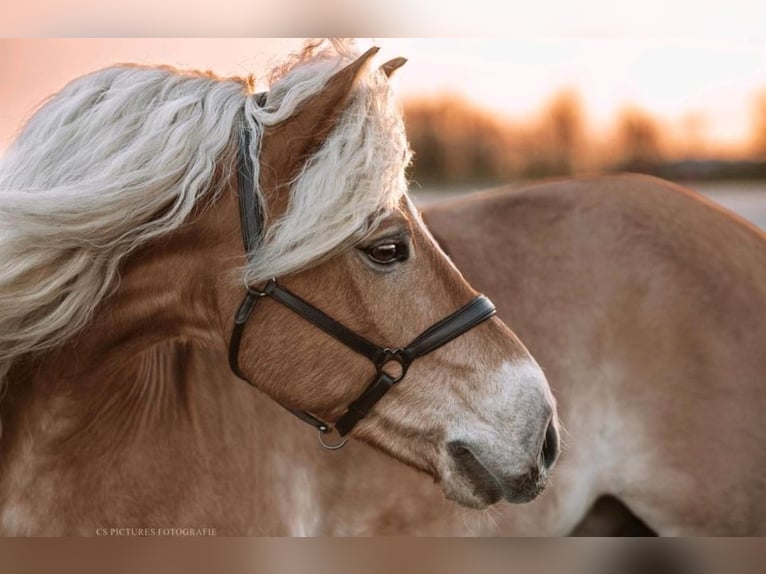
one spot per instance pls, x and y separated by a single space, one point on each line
458 142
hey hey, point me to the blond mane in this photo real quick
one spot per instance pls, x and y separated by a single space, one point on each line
123 155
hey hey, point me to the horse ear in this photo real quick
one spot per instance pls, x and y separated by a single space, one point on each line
287 145
392 65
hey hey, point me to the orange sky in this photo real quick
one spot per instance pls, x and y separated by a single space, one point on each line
713 80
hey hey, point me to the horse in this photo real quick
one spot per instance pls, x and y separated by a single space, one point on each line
641 301
158 227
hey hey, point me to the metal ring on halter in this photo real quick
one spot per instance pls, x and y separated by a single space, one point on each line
335 446
254 290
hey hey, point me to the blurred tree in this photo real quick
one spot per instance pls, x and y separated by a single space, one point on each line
554 143
455 142
562 126
759 126
426 141
458 143
693 136
638 138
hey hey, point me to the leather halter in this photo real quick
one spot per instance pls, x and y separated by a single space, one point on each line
391 364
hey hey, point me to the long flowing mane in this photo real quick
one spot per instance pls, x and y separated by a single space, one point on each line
123 155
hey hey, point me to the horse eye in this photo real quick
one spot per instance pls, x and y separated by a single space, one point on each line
387 253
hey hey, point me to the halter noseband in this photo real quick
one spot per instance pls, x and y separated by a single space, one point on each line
391 364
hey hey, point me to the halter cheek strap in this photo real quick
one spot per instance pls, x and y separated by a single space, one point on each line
250 216
251 220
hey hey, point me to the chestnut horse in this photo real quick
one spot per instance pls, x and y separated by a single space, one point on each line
122 267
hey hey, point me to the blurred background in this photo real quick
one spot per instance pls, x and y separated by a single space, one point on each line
491 111
484 112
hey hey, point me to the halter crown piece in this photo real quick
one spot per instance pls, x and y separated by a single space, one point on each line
396 359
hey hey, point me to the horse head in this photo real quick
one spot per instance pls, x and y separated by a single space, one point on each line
475 413
128 192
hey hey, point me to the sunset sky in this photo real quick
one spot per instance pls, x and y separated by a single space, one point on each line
711 82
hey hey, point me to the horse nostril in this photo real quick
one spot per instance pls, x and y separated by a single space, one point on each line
472 469
550 450
463 456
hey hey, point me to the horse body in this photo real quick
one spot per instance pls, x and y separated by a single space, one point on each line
643 303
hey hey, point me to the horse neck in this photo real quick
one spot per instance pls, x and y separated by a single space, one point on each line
129 398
